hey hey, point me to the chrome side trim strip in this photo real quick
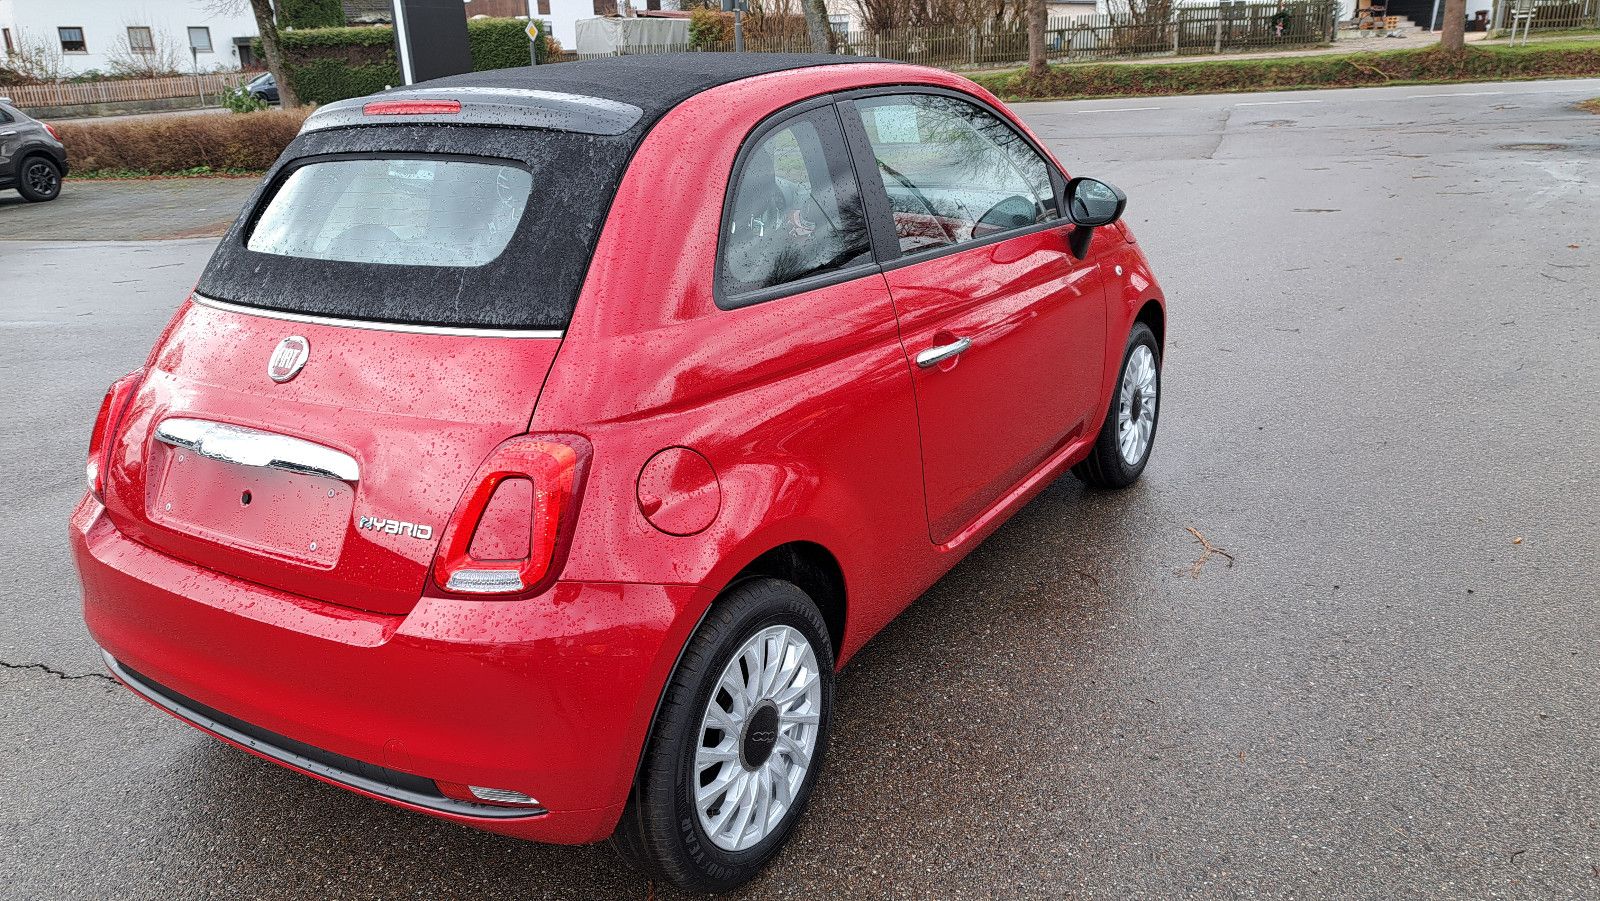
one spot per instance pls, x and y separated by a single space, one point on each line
173 703
459 330
249 447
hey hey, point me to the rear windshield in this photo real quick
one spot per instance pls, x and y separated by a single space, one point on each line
388 211
421 224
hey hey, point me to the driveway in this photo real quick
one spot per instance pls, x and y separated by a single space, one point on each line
137 209
1381 403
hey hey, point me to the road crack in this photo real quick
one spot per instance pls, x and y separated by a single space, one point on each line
59 674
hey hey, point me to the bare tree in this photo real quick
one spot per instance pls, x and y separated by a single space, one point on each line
1037 12
817 26
1453 32
161 56
35 59
267 25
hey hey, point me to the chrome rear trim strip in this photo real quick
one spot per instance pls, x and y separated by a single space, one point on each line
335 768
249 447
462 331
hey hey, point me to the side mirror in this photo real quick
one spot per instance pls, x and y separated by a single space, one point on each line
1015 211
1091 203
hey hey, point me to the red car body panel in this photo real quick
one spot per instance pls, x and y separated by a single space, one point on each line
804 420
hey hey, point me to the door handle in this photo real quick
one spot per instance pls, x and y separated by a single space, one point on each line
933 356
6 134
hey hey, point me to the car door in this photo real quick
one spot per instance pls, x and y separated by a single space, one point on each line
10 140
1003 327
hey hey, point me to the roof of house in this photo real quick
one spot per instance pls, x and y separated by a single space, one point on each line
368 12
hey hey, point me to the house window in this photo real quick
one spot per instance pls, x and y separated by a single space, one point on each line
544 7
9 48
72 39
199 39
140 40
840 25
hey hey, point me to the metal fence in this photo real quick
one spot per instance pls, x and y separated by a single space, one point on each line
1188 30
1548 14
122 90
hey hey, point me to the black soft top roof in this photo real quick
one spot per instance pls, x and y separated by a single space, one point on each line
577 164
653 82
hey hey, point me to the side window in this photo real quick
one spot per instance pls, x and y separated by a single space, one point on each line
796 211
953 171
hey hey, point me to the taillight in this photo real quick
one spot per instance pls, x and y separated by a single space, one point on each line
411 107
105 428
52 129
510 533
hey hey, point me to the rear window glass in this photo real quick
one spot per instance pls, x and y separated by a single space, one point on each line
394 211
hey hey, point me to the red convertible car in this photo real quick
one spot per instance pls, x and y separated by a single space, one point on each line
539 443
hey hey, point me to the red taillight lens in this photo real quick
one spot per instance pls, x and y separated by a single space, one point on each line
509 535
105 428
52 129
411 107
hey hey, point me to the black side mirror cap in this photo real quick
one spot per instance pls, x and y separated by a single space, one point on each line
1091 203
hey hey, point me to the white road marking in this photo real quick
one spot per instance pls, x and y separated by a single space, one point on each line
1116 109
1457 94
1274 102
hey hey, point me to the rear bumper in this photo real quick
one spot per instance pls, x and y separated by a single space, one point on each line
551 697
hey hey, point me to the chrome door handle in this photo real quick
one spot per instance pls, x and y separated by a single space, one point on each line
933 356
249 447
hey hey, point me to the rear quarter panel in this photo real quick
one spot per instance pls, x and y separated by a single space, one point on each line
803 404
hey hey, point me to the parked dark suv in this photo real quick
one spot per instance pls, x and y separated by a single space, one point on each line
32 158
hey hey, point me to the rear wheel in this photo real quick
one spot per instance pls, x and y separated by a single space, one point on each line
39 179
737 743
1129 431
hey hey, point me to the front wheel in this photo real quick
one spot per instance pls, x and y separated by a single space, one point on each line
40 179
1129 431
737 743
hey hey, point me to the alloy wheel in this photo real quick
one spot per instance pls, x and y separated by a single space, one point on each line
1136 405
42 178
757 738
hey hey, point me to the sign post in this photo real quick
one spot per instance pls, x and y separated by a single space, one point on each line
737 7
533 33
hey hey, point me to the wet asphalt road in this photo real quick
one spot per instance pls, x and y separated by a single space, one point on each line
1382 373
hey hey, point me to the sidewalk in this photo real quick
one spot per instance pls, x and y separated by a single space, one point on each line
1348 42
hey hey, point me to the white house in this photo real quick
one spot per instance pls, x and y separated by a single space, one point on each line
105 34
845 15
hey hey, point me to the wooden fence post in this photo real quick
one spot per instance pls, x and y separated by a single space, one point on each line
1218 44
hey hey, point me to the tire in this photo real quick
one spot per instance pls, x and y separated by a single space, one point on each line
664 831
1138 393
39 179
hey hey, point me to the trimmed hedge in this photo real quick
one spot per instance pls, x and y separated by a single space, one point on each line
310 13
174 144
1563 59
500 43
328 64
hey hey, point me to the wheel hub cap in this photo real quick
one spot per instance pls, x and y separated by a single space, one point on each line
757 737
760 736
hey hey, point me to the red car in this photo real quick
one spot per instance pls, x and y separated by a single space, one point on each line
539 443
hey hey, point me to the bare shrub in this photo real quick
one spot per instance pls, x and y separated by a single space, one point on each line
181 143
